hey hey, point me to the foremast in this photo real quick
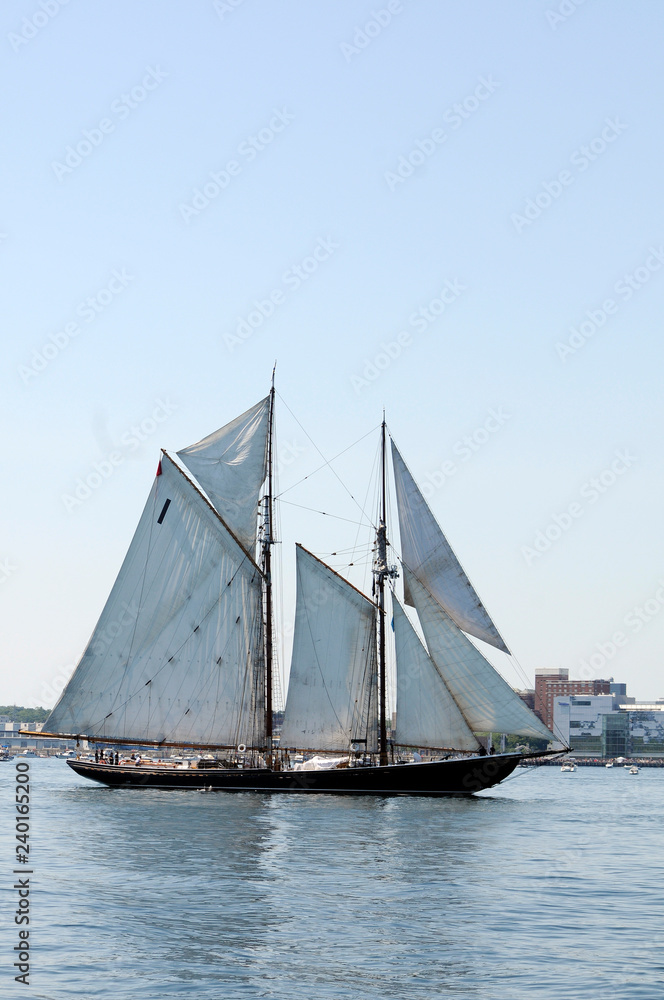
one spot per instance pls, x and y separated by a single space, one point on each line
382 572
267 541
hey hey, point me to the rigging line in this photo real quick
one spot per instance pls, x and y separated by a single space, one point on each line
375 506
325 460
367 548
521 673
360 524
555 730
530 768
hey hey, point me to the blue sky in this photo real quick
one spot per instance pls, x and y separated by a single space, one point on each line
449 209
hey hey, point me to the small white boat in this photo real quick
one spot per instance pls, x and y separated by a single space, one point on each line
610 764
633 770
568 767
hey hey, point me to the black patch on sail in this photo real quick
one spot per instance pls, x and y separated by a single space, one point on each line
163 512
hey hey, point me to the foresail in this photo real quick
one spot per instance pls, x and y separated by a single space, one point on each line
487 701
427 715
177 652
428 554
230 465
332 687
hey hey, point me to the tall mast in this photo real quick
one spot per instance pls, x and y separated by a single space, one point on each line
267 571
381 572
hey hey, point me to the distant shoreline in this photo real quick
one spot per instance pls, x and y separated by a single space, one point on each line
597 761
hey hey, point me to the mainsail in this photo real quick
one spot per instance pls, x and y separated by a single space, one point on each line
331 691
427 715
230 465
486 701
428 554
177 654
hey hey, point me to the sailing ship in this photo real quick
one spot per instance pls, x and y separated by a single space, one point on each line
182 655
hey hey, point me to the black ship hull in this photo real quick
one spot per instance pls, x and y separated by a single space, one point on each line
447 777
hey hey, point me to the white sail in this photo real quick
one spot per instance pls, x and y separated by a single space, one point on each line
331 691
428 554
230 465
427 715
177 652
487 701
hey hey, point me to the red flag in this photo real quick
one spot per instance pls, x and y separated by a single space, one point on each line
159 468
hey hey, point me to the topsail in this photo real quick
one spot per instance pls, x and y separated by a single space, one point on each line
428 554
230 465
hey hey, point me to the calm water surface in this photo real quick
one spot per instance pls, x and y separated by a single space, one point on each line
550 886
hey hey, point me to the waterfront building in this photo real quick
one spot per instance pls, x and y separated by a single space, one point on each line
12 737
553 683
609 726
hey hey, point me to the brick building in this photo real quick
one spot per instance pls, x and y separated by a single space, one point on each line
554 683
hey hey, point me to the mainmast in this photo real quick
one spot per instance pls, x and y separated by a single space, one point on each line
267 543
381 571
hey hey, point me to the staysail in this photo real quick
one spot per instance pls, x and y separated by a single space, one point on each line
427 715
230 465
332 687
487 701
177 652
428 554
